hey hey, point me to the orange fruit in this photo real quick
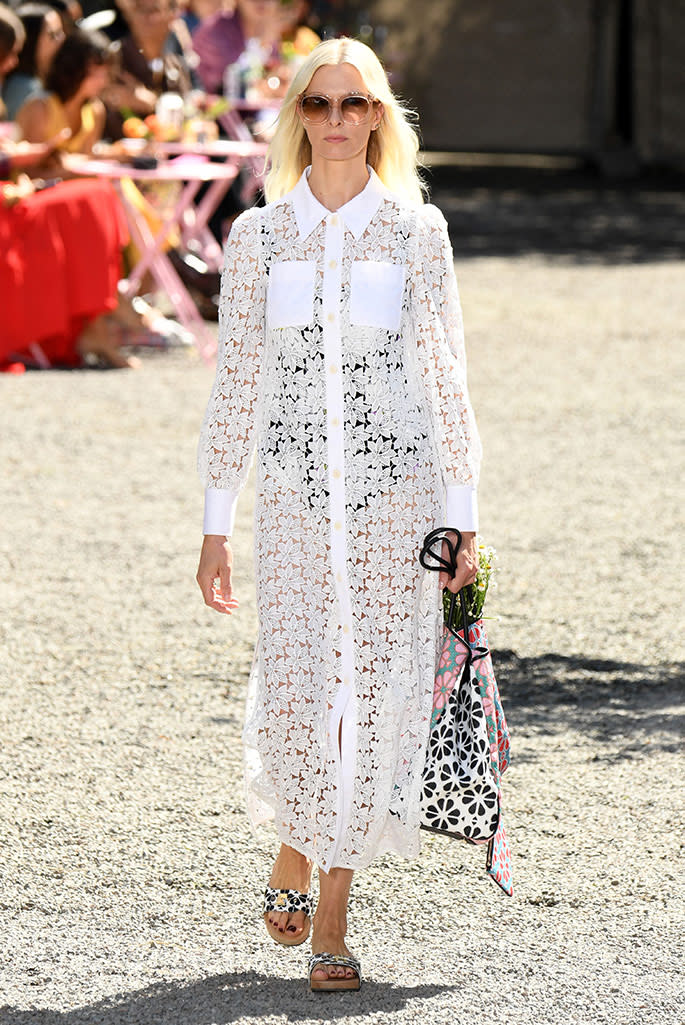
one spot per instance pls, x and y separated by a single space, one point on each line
134 128
154 128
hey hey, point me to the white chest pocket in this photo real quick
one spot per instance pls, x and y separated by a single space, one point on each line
376 291
290 294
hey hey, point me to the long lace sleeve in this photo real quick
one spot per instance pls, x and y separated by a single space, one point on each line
228 433
442 362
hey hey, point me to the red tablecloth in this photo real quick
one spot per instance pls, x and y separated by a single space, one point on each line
60 261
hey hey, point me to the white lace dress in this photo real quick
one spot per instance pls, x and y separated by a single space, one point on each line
341 362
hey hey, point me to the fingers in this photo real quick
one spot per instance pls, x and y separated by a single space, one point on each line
214 595
467 569
225 583
214 575
205 583
222 595
457 582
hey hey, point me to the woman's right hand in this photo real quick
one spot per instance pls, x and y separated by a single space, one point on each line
214 573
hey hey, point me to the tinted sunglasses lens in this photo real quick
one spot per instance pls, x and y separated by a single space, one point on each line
354 109
315 109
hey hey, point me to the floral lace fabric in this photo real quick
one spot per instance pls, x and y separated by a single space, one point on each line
341 364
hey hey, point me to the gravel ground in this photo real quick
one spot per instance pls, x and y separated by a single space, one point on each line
130 881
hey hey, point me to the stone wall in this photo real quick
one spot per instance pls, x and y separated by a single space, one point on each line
539 75
488 75
660 80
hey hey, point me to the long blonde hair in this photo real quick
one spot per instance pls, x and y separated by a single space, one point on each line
393 147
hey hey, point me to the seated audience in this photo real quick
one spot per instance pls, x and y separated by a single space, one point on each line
150 61
63 244
221 39
294 26
44 33
60 267
60 253
78 73
12 36
194 12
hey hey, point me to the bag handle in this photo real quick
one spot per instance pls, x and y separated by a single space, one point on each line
431 558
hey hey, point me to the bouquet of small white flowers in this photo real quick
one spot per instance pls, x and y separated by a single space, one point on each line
475 593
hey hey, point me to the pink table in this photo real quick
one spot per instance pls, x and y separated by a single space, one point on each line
229 149
193 171
247 151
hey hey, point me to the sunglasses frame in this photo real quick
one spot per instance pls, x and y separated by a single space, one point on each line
334 104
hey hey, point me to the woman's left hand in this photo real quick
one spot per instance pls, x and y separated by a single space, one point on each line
29 155
467 562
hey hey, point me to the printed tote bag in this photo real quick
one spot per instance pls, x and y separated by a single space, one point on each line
468 745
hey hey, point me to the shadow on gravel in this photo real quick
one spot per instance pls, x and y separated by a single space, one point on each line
221 999
628 708
568 214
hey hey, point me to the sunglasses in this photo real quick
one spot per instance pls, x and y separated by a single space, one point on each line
316 108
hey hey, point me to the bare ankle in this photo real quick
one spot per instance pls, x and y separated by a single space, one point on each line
291 853
330 923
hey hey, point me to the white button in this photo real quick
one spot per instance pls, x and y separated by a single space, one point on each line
338 525
333 264
335 422
334 221
333 369
331 318
346 681
336 474
338 577
346 629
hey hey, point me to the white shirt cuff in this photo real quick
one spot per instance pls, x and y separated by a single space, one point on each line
220 505
462 507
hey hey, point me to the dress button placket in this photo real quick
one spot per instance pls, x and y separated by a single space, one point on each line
344 703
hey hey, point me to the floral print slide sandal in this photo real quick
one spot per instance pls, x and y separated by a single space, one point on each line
339 982
288 901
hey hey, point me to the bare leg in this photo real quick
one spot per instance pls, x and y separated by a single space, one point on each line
99 339
137 314
291 871
330 921
126 315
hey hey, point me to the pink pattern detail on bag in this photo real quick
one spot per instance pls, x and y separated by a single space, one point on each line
451 662
499 859
498 733
452 658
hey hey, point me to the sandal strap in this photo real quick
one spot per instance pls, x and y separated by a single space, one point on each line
334 961
289 901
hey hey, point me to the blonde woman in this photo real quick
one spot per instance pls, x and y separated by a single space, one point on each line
342 364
